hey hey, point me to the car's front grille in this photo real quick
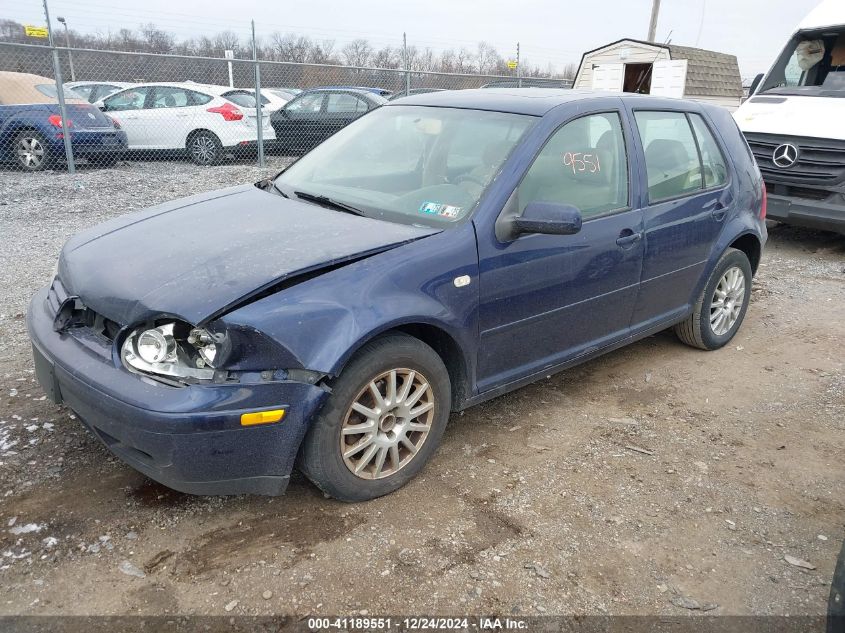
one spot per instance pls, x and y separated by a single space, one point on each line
797 192
70 313
820 162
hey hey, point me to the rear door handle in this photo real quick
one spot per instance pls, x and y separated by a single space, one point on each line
629 238
718 210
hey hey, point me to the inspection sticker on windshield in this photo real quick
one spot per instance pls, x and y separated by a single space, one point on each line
443 210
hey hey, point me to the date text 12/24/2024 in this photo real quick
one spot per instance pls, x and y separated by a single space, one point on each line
417 624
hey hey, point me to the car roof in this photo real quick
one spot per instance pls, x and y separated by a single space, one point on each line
119 84
536 101
356 91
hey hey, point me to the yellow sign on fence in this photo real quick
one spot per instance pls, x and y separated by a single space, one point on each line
36 31
512 64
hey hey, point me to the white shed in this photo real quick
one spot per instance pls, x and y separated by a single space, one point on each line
662 69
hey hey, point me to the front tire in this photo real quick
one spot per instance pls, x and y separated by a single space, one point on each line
721 307
205 148
383 421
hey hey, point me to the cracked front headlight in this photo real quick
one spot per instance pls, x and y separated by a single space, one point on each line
173 349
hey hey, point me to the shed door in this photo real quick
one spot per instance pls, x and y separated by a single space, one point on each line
608 77
668 78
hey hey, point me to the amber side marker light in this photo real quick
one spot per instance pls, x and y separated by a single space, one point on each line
262 417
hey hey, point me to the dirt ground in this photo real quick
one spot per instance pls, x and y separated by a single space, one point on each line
653 480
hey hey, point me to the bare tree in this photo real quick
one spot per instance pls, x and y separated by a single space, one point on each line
357 52
486 57
226 40
155 40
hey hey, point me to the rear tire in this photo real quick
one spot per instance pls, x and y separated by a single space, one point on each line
721 307
204 148
31 151
362 446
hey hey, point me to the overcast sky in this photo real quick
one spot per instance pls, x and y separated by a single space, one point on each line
555 31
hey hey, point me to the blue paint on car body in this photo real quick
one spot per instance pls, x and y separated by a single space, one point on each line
299 288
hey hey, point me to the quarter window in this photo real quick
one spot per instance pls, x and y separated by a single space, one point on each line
583 164
671 155
715 169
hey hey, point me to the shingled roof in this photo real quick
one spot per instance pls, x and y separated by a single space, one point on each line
709 73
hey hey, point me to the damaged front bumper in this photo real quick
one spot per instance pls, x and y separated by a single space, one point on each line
188 438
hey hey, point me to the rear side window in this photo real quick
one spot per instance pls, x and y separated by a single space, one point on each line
344 102
671 154
715 168
168 97
308 103
583 164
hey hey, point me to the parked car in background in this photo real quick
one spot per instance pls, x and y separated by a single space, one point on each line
795 123
270 100
94 91
413 91
528 82
31 133
283 93
332 317
314 115
383 92
190 117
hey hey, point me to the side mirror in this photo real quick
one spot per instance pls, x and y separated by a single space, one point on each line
548 218
100 106
755 84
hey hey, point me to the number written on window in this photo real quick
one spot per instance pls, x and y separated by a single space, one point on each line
581 162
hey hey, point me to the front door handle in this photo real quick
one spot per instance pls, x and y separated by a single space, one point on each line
628 238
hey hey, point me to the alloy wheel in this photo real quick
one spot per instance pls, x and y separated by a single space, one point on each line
726 304
203 149
30 152
387 423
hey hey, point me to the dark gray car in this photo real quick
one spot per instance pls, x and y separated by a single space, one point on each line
314 115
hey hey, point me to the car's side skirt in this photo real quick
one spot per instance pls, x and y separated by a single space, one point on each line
676 317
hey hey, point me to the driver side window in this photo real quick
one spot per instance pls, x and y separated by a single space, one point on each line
132 99
308 103
583 164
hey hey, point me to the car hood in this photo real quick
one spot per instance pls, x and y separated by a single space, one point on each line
818 117
199 257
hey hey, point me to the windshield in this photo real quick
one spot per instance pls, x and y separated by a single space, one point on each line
410 164
812 64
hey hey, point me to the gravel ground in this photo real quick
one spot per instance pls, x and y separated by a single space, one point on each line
655 480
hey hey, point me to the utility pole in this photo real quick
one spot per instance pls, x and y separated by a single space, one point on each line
259 107
407 64
67 44
652 25
60 91
518 68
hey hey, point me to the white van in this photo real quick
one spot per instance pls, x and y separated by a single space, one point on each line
795 123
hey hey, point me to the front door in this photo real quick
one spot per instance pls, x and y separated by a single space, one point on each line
126 107
545 299
296 123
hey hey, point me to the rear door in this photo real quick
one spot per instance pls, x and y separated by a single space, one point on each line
169 117
687 184
340 110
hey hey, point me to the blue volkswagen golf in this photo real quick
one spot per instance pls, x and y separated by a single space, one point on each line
440 251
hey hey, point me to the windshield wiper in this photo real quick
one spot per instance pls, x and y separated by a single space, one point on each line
328 202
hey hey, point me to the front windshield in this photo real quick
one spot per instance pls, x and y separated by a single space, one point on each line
410 164
812 64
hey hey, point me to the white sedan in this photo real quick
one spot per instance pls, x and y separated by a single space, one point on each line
185 116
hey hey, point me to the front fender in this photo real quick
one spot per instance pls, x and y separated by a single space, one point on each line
322 321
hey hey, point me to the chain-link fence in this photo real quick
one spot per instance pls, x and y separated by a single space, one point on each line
113 105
